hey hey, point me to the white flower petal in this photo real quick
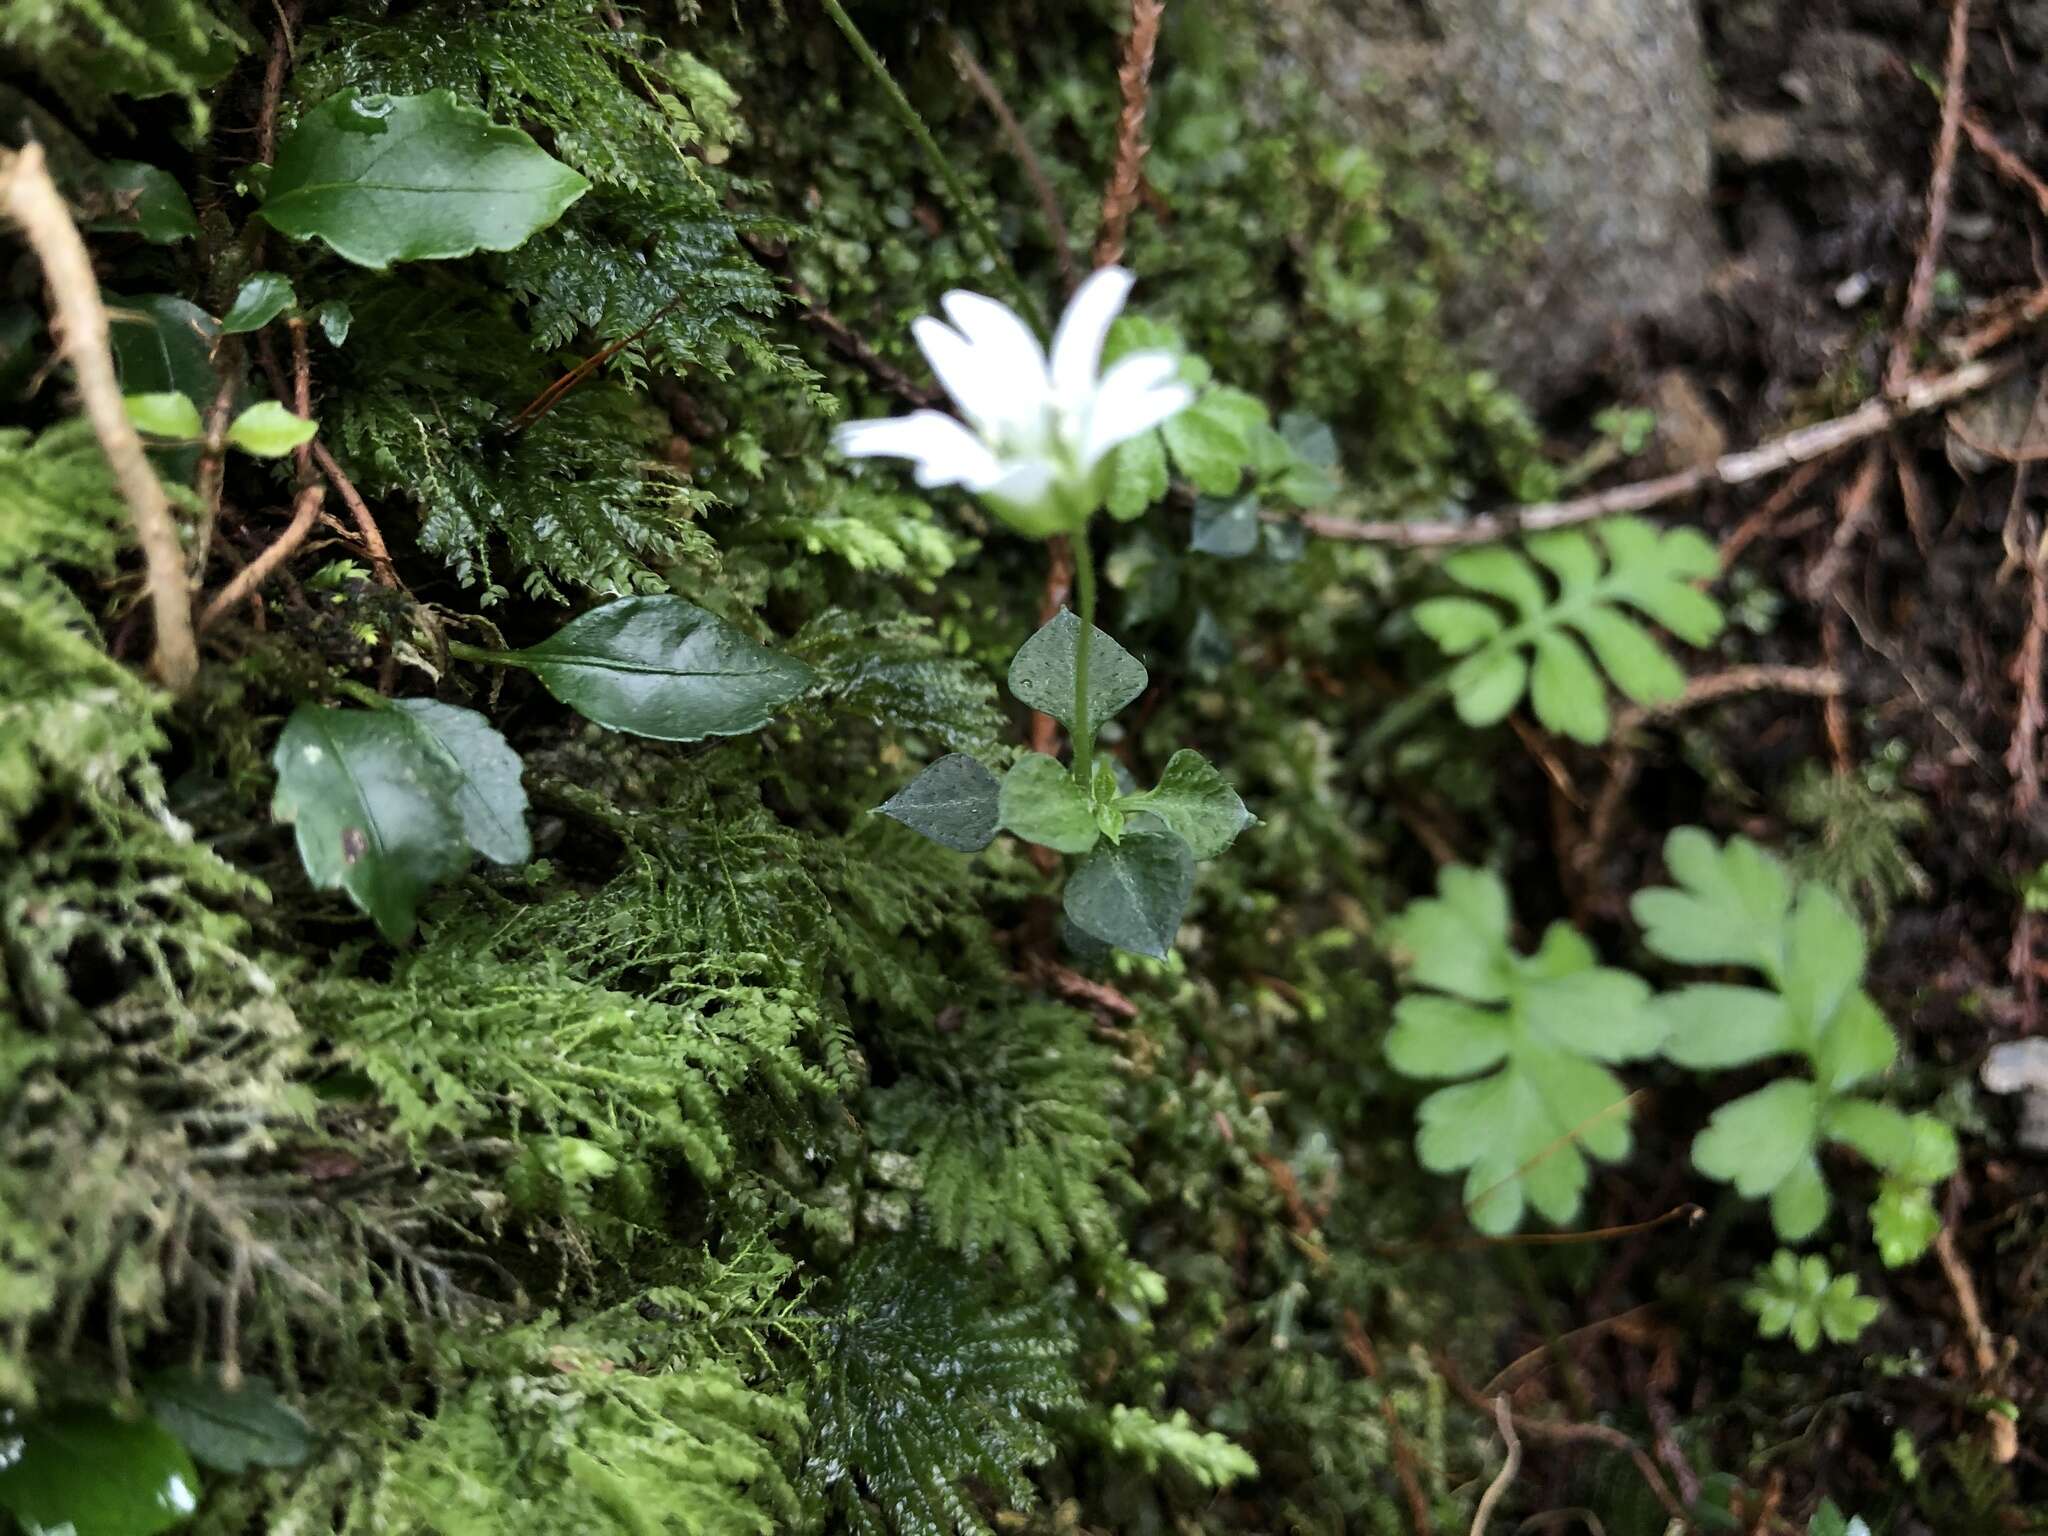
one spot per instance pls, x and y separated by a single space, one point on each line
1004 350
946 453
1135 396
1025 483
982 391
1077 344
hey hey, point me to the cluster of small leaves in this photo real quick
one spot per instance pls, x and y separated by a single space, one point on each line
1008 1120
924 1384
1545 1022
1138 849
1734 904
1536 647
1212 1460
1802 1298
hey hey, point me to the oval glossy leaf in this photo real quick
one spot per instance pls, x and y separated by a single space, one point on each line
663 668
163 343
269 431
261 300
229 1429
387 802
953 802
165 413
1196 802
1042 672
413 178
1132 894
335 318
81 1471
145 201
1042 804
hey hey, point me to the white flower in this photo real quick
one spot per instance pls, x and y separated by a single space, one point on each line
1037 430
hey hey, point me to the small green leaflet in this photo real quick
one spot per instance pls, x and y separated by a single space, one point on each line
81 1471
269 431
1042 804
1802 1298
1650 572
1196 802
413 178
663 668
1131 894
165 413
954 803
1227 528
1042 672
229 1429
1211 440
147 202
1735 905
335 318
1545 1022
385 803
261 300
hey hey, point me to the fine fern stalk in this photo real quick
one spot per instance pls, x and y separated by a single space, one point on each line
913 120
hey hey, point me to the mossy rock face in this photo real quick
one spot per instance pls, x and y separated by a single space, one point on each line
1596 117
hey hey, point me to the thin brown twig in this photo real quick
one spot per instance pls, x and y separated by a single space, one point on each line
213 462
274 69
1854 509
2005 1444
359 510
1358 1345
2023 757
2004 319
1779 454
305 513
30 199
2003 160
1920 292
1765 517
1497 1489
1013 134
1127 171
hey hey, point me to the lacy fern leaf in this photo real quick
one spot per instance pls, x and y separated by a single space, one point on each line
1537 647
1804 1299
1546 1022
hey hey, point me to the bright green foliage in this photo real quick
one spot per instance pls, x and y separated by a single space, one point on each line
1803 1298
1008 1119
260 300
1042 804
1176 1441
568 1428
1546 1021
1859 824
1537 647
412 178
925 1384
79 1471
388 802
164 413
1736 905
269 431
1196 803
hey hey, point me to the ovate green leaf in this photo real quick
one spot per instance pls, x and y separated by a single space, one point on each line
954 803
663 668
163 414
1042 804
413 178
146 201
229 1429
1195 801
269 431
260 300
1042 672
1132 894
81 1471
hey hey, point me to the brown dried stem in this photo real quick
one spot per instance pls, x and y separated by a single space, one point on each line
1013 134
1127 171
246 582
30 199
1920 293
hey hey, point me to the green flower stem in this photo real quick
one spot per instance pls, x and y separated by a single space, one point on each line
955 187
1084 587
490 658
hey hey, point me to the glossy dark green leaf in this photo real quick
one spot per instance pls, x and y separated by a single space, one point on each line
387 802
260 300
230 1429
413 178
1131 894
1197 802
81 1471
163 343
666 669
1042 804
145 201
1227 528
954 803
1042 673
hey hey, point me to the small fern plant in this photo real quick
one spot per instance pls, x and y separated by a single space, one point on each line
1803 1298
1735 904
1038 448
1545 1025
1538 645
